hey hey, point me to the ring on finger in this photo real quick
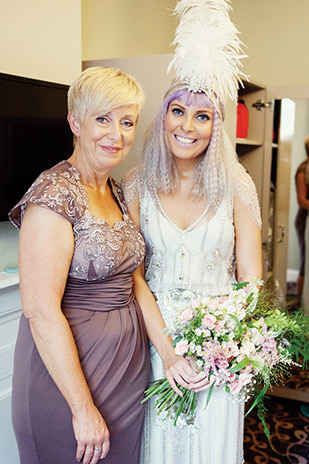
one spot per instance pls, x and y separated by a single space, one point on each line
97 449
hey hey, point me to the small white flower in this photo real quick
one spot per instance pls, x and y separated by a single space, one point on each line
199 364
192 347
206 332
199 351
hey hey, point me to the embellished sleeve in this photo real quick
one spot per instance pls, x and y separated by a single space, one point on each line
245 190
53 191
130 185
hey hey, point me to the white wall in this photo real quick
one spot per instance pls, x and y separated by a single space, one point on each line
277 36
41 39
275 31
122 28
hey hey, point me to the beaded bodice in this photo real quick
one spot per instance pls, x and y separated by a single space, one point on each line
199 258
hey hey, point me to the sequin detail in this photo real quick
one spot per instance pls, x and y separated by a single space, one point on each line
181 264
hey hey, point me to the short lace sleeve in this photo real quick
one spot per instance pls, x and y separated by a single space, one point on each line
245 190
58 191
130 185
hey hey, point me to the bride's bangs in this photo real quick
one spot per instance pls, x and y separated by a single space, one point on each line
191 98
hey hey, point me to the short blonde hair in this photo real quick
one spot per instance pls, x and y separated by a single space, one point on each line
99 89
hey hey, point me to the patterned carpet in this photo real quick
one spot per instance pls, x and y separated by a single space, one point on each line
289 428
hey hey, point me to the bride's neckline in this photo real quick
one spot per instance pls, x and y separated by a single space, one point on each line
163 212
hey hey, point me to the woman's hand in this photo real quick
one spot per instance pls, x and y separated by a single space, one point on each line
92 436
178 369
200 385
46 250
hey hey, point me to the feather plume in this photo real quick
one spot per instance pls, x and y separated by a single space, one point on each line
207 48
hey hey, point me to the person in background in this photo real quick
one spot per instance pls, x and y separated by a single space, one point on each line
81 359
302 190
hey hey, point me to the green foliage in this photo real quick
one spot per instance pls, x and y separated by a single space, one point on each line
292 327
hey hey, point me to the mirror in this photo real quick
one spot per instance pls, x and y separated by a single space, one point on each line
301 130
291 126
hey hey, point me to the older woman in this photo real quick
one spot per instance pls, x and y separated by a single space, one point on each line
81 360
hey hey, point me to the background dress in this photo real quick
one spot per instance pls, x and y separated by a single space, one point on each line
200 259
106 323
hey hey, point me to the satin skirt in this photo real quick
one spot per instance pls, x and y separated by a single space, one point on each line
110 336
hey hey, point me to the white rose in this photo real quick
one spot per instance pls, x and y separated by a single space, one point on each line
256 337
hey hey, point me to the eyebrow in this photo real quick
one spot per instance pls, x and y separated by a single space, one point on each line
106 115
201 110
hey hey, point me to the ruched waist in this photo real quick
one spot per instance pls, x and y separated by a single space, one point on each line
109 294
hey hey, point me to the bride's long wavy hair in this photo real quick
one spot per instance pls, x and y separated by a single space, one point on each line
215 168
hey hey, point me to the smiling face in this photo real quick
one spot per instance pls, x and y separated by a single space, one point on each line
103 140
188 129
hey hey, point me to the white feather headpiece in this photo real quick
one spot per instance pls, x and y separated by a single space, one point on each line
208 50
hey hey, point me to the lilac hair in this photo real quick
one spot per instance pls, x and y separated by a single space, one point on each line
160 170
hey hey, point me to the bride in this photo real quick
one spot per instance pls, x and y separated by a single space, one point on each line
198 212
195 205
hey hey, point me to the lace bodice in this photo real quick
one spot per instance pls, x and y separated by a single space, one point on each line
100 250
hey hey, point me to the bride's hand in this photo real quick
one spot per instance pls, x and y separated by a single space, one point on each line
178 369
200 385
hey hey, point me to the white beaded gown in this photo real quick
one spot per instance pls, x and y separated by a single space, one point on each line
200 259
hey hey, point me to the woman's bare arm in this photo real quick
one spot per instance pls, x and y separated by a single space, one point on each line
301 190
248 244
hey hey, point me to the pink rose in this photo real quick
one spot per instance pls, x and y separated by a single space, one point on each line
230 350
219 326
235 387
231 377
245 378
209 321
181 347
187 315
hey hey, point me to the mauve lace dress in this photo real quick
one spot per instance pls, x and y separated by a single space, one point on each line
106 323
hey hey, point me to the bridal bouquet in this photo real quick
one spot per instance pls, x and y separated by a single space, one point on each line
244 341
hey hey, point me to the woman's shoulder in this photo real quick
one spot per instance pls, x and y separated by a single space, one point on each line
63 172
131 184
57 188
302 168
245 191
